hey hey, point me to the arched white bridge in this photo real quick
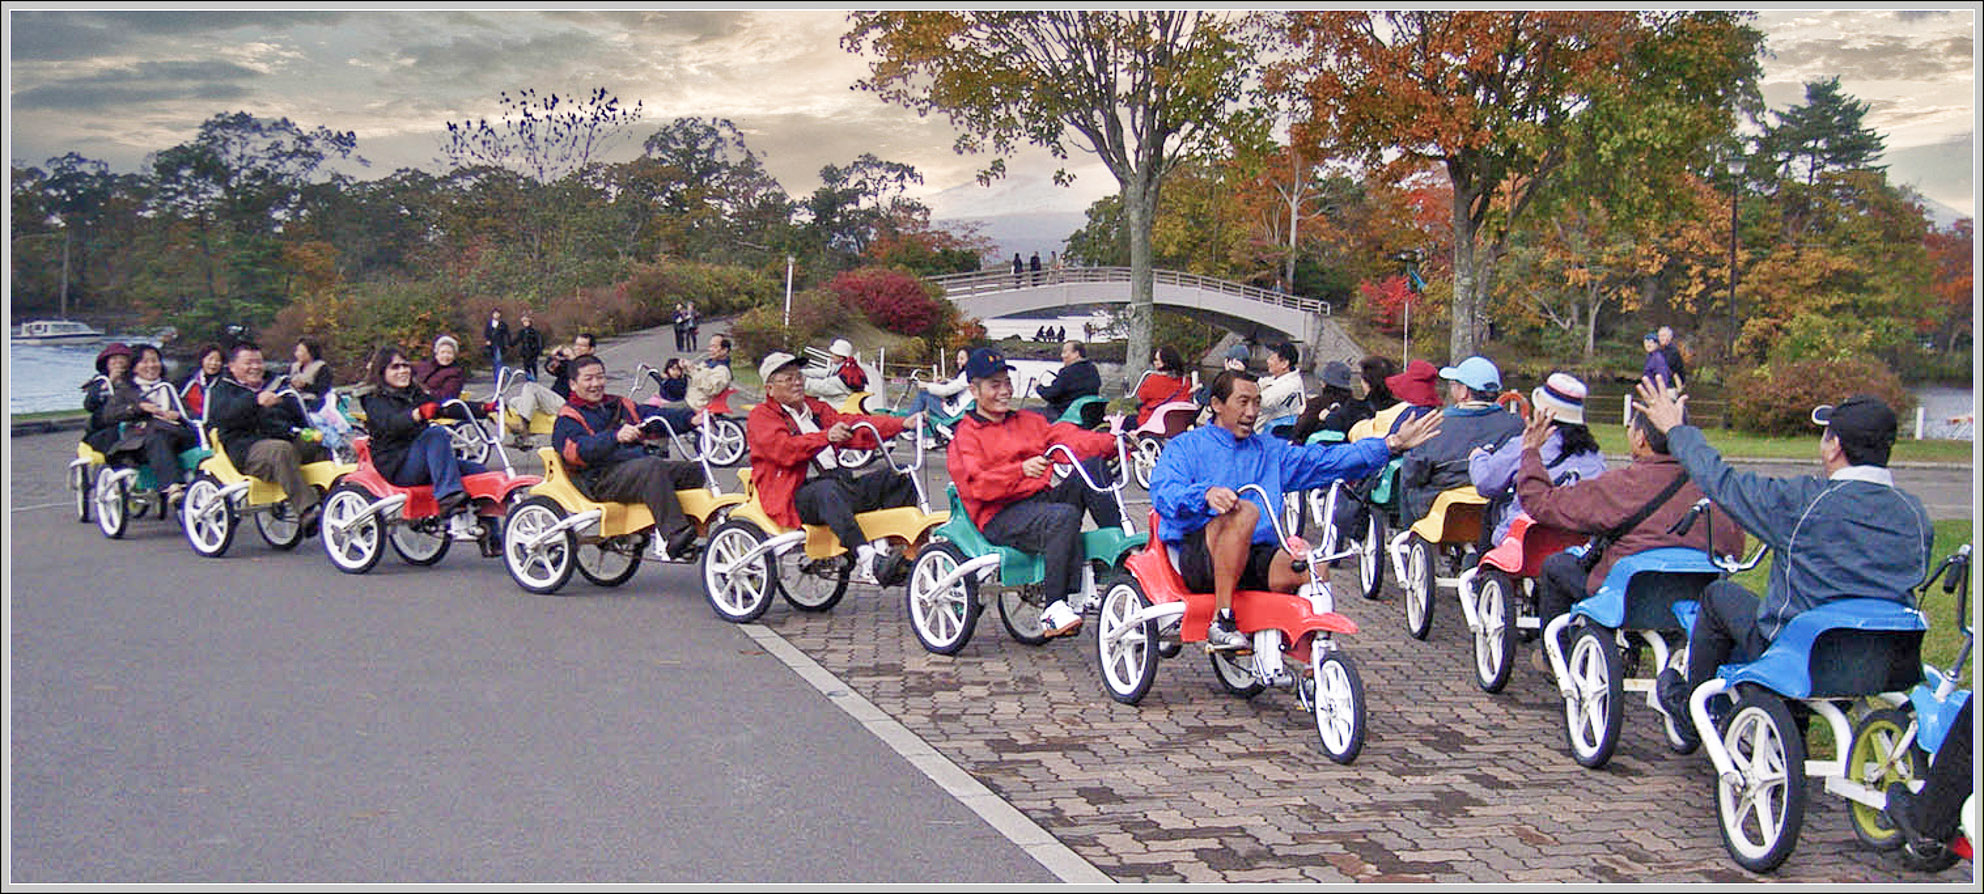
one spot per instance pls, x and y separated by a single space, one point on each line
1243 308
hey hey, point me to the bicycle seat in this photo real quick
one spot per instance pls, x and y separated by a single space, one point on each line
1844 648
1641 590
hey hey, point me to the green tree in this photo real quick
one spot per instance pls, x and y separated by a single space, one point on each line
1143 90
1824 134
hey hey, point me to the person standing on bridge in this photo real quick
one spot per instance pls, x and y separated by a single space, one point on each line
1034 265
1019 270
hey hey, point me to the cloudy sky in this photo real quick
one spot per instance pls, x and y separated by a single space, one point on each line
116 85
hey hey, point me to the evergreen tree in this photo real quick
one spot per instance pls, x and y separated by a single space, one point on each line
1824 134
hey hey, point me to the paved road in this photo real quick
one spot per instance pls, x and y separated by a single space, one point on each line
263 717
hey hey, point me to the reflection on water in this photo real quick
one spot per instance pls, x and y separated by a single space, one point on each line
43 378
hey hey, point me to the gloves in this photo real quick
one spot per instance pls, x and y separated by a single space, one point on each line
425 412
489 408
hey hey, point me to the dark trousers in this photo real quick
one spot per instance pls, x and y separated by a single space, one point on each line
1559 585
1049 524
1948 780
653 481
530 367
163 444
833 498
280 461
1726 630
432 460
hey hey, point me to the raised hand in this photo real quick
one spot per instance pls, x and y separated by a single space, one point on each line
1662 407
1537 429
1414 432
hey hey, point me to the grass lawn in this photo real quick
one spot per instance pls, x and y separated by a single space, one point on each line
1750 446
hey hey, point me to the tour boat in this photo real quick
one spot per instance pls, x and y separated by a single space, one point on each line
57 332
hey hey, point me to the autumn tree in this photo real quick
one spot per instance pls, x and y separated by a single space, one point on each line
1493 98
1954 301
1142 90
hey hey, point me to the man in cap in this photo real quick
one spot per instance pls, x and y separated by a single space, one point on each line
1226 542
1653 489
1849 534
843 376
1472 420
1077 379
798 477
599 435
997 460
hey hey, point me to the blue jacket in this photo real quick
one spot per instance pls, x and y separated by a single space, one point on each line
1210 456
1852 535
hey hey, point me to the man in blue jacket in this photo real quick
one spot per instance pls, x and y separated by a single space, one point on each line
1226 543
1850 534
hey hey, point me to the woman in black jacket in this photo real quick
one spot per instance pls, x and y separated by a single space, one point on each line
405 448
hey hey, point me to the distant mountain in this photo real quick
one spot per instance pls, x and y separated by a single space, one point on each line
1045 232
1939 172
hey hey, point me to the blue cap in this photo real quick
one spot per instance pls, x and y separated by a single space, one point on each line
985 363
1477 372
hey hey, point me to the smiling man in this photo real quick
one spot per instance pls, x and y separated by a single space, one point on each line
598 435
1226 542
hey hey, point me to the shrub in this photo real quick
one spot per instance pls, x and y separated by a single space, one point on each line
715 290
817 317
1778 399
893 300
1193 338
355 319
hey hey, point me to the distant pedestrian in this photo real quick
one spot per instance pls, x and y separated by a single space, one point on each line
530 345
1054 265
1019 270
694 324
1675 363
1034 265
1656 368
496 340
681 323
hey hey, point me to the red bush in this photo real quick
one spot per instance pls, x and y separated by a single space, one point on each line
1779 400
1385 301
891 299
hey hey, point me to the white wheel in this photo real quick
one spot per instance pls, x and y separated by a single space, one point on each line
942 619
609 564
1322 503
1371 555
82 481
1148 449
279 525
739 591
353 545
1338 702
1418 586
726 441
1125 650
113 503
545 568
1235 673
207 517
813 585
1495 607
420 543
1021 617
1592 710
470 441
1761 806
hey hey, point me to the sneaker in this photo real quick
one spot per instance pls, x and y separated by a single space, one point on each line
1059 620
891 567
310 518
680 546
447 506
1671 693
1224 636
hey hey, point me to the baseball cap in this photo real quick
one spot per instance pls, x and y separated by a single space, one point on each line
774 362
841 348
1336 374
985 363
1862 420
1477 372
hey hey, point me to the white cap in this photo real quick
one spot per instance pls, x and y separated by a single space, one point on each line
841 348
772 362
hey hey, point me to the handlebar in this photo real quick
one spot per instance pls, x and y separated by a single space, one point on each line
913 470
1317 556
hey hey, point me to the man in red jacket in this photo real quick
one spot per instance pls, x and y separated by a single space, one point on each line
799 479
996 460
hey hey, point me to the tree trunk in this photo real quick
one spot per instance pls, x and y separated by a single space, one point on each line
1465 305
1592 301
1139 207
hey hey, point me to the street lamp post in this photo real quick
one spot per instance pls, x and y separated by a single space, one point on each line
1735 192
788 291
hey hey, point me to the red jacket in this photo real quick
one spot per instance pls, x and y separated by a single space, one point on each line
780 452
985 457
1158 390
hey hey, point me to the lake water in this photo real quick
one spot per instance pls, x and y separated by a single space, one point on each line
41 378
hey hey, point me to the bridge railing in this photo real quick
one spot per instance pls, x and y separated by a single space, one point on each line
959 285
